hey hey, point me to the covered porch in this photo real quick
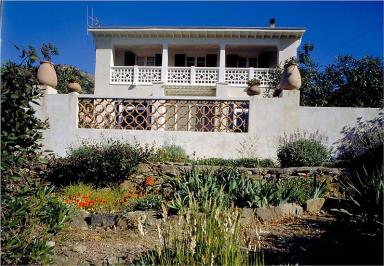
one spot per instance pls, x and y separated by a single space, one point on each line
192 64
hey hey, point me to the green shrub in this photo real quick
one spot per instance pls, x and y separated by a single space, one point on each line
170 153
30 216
150 202
362 144
243 162
30 213
303 152
98 164
242 191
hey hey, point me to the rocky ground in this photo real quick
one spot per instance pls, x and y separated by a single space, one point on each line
291 240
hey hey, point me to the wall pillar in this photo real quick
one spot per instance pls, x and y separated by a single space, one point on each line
164 64
222 63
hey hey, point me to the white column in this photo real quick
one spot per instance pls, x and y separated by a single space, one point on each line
251 73
193 75
164 63
222 63
135 74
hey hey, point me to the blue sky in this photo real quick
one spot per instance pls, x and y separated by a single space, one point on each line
354 28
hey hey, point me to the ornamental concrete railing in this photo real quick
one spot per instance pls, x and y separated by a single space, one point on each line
226 127
188 75
163 114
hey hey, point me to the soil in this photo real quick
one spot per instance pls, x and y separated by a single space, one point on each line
310 239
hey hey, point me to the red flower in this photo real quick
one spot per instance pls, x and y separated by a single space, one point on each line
149 181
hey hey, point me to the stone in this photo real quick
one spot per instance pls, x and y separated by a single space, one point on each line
144 169
112 260
65 260
96 220
169 170
266 214
79 220
51 244
127 185
79 248
314 205
109 220
122 223
271 213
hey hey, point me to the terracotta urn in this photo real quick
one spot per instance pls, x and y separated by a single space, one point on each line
290 79
74 87
46 74
254 90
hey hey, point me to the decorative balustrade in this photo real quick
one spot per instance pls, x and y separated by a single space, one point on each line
188 75
164 114
147 75
240 76
179 75
121 75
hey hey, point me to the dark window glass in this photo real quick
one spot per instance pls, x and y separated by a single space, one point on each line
211 60
179 60
129 59
252 62
231 60
158 59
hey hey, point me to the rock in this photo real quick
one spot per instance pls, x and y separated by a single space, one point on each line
149 217
96 220
296 210
128 185
266 214
271 213
105 220
169 170
79 220
112 260
144 169
64 260
109 220
247 216
79 248
51 244
314 205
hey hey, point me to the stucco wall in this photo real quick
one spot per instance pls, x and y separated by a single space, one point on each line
269 118
105 56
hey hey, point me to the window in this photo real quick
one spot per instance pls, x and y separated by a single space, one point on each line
200 62
241 62
252 62
140 60
150 60
190 61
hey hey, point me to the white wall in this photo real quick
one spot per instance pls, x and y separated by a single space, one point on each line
269 118
105 59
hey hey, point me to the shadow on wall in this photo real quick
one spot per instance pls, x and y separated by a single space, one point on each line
362 144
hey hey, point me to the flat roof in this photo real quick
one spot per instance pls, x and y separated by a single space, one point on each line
199 32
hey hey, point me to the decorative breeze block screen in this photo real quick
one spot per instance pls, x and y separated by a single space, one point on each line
164 115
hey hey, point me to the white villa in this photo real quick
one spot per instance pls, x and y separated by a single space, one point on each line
187 86
181 61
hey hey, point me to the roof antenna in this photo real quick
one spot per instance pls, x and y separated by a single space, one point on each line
92 21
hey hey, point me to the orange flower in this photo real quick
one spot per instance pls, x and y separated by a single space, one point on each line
149 181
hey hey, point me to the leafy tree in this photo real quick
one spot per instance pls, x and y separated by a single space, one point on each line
355 82
347 82
67 73
312 91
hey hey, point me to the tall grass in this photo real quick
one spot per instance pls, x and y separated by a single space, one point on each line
211 237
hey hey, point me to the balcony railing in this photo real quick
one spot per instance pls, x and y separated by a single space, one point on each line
187 75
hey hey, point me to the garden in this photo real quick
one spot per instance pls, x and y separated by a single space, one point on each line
117 203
